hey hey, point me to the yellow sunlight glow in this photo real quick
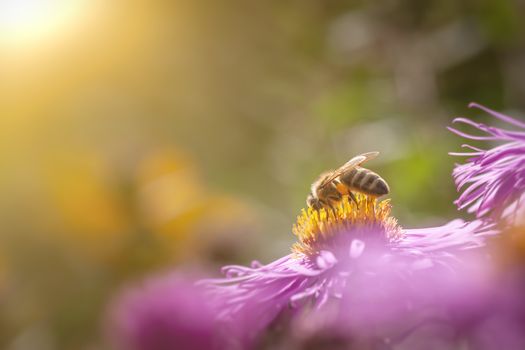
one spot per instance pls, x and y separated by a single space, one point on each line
29 22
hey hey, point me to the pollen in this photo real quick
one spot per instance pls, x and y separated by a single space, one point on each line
319 229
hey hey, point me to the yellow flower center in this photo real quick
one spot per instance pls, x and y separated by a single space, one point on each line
316 229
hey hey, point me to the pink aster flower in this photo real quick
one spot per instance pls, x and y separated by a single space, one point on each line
493 179
345 252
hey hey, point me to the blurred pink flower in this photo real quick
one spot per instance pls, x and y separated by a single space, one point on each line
164 313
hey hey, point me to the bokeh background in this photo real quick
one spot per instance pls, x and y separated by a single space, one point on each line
140 136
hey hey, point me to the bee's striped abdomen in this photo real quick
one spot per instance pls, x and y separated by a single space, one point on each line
366 181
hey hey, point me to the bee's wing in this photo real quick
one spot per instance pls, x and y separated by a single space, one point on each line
352 163
365 156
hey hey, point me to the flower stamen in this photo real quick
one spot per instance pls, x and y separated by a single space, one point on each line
315 229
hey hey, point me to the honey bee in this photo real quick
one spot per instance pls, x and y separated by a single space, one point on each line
332 185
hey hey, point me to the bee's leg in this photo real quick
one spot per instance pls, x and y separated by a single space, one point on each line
352 197
330 204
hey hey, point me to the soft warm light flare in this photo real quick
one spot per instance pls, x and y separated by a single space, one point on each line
33 21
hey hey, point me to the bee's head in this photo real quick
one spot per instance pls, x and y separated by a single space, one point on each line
313 202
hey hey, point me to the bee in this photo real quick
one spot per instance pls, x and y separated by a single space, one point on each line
332 185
